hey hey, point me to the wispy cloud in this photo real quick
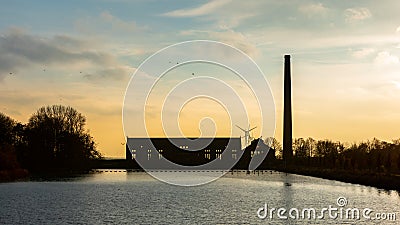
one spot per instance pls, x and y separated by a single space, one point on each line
198 11
121 73
229 36
356 14
359 54
107 24
238 40
386 58
313 9
118 23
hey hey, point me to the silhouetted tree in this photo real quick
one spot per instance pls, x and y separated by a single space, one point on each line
300 148
20 143
6 130
398 163
310 146
57 138
273 143
8 158
388 164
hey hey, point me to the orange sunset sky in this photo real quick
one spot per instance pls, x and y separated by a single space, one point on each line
345 63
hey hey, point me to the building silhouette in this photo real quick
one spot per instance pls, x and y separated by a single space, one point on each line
196 152
183 151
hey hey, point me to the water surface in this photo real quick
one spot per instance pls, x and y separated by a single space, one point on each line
117 196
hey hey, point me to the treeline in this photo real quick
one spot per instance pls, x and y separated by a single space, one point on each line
54 139
372 156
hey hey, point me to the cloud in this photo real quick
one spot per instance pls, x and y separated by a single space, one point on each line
229 22
238 40
106 24
71 43
198 11
222 14
313 9
363 53
20 50
118 23
231 37
356 14
121 73
385 58
396 84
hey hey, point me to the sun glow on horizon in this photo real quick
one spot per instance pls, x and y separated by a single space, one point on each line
345 66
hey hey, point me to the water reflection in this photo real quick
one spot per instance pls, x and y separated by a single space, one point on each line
119 196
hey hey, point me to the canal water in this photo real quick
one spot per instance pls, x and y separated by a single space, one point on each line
121 197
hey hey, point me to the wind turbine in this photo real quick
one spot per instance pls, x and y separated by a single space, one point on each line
247 134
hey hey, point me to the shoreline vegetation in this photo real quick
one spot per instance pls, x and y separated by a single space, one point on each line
13 175
377 180
55 141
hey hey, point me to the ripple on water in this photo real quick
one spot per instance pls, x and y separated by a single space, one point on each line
137 198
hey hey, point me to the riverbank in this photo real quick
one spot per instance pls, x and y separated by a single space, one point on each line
378 180
13 175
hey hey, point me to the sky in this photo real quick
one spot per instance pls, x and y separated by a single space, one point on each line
345 62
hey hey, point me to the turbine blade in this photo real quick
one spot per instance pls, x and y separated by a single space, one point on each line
252 128
241 128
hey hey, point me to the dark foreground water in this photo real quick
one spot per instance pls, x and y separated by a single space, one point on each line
119 197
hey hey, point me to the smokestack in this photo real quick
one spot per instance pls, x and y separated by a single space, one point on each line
287 112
